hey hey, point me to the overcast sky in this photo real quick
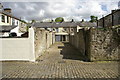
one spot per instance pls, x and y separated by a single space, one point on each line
69 9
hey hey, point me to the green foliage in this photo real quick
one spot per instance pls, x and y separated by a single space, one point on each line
59 19
23 21
27 28
33 21
93 18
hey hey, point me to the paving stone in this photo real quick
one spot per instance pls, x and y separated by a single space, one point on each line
61 62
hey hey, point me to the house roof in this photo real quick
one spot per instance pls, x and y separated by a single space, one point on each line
87 24
113 12
63 24
7 28
42 24
10 15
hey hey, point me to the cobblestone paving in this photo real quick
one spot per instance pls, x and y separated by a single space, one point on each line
60 61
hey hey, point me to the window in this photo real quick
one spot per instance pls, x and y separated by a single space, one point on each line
72 29
57 30
17 22
3 18
13 21
7 19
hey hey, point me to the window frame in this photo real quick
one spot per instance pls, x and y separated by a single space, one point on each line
8 19
3 18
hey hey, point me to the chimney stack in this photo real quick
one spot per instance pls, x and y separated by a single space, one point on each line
72 20
1 7
8 10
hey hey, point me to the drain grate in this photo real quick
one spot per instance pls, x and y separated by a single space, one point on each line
61 61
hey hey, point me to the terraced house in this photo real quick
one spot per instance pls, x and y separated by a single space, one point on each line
10 23
112 19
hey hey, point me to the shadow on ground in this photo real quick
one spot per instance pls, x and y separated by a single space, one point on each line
70 52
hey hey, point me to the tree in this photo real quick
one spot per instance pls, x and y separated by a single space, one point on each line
93 18
59 19
33 21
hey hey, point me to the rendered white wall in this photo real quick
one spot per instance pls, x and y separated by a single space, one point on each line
18 48
0 62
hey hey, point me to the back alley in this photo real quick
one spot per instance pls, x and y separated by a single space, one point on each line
61 60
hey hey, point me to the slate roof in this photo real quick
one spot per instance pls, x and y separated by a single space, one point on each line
88 24
63 24
42 24
6 28
10 15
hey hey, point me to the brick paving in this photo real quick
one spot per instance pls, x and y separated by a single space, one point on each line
61 61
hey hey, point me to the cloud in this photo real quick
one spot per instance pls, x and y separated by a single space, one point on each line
69 9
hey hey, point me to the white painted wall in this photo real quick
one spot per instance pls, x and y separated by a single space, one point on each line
0 17
0 62
18 48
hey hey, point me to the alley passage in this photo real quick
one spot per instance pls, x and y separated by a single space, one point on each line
60 52
60 61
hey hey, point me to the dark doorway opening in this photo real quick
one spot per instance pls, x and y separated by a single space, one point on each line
61 38
64 39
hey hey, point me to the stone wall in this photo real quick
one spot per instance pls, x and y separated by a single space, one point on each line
97 43
43 40
77 40
100 22
116 17
104 44
108 21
